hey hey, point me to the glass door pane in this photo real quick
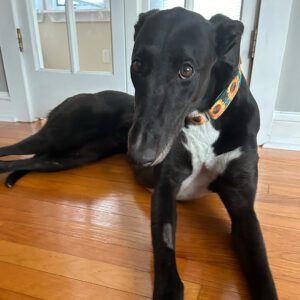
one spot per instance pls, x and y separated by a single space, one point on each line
208 8
53 35
3 83
93 24
166 4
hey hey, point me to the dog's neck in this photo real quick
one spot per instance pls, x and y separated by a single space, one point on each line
221 76
224 90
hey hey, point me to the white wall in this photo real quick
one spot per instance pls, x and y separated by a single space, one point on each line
273 28
285 128
288 98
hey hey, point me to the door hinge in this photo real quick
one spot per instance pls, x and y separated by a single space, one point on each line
253 43
20 39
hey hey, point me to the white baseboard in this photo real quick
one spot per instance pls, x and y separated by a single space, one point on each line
282 146
286 116
7 118
4 96
285 132
6 108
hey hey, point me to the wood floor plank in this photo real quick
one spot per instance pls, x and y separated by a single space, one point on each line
104 274
210 293
82 269
9 295
285 190
128 257
48 286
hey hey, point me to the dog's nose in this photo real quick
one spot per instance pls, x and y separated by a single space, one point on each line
143 157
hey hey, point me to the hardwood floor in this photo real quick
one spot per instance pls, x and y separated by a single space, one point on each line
85 233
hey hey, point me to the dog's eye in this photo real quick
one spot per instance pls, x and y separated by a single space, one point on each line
136 66
186 71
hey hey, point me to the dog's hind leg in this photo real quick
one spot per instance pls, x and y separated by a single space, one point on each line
45 163
13 177
31 145
61 161
28 164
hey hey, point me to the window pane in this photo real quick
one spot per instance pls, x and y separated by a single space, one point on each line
52 27
93 24
3 83
166 4
208 8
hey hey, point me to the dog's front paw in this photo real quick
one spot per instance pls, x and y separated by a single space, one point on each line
172 292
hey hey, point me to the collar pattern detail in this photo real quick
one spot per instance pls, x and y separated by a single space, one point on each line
221 103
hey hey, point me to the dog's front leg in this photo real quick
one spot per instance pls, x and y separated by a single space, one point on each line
167 284
249 245
237 188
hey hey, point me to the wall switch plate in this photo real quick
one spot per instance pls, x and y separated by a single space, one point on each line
105 56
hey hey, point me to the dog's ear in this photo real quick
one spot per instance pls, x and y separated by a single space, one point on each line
142 18
228 38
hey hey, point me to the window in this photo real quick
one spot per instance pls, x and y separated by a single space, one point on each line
79 5
166 4
92 36
207 8
86 4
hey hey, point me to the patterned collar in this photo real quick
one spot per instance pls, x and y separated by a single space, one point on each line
221 103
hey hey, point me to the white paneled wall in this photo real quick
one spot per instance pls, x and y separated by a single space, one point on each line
288 98
285 130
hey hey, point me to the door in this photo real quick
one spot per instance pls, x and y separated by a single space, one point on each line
71 47
13 88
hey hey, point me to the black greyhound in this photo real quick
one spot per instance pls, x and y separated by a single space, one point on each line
181 141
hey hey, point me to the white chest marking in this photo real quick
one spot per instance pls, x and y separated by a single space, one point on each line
206 165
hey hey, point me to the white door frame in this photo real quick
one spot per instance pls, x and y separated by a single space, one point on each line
271 40
16 106
132 11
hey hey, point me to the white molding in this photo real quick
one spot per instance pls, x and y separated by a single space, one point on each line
285 131
4 96
34 34
248 15
282 146
7 118
132 10
19 89
7 112
72 36
142 5
286 116
267 64
189 4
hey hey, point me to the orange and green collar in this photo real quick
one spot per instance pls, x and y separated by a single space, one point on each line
221 103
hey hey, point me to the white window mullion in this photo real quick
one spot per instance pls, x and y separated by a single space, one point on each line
72 36
35 35
189 4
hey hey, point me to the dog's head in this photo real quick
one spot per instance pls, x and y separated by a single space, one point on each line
174 54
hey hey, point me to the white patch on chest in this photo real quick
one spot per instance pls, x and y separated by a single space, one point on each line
206 165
